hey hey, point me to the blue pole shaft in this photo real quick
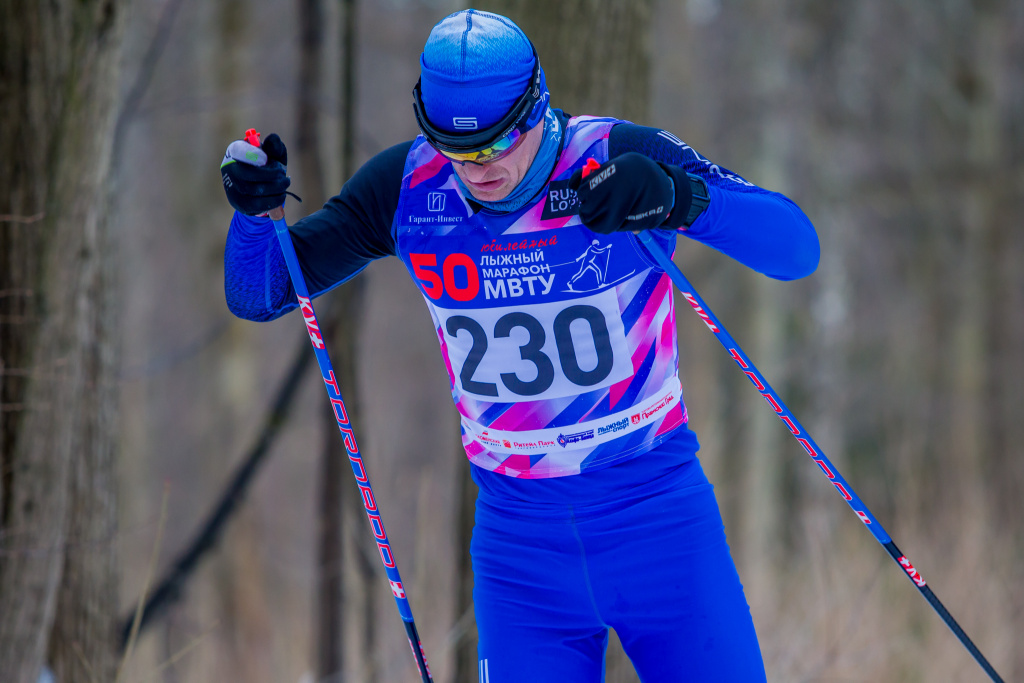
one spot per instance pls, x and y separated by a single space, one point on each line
813 449
352 448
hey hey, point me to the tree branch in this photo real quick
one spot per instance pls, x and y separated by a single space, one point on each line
172 585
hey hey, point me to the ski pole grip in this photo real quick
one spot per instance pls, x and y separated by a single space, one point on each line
252 136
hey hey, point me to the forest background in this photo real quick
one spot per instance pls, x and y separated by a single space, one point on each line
897 125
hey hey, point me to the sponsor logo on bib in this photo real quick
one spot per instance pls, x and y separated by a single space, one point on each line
561 201
566 439
616 426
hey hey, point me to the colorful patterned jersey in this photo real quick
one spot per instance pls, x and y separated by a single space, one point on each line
535 318
560 343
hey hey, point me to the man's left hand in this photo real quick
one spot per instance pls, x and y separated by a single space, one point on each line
629 192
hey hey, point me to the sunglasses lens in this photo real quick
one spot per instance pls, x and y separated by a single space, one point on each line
493 152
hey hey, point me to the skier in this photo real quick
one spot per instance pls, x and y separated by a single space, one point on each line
593 510
590 262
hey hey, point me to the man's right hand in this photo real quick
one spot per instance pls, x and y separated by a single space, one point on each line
255 178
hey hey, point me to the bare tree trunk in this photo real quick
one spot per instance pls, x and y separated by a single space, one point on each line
81 643
971 359
595 53
328 603
762 514
350 299
361 573
58 82
336 499
310 88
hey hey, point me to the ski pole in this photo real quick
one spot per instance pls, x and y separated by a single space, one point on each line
812 448
344 425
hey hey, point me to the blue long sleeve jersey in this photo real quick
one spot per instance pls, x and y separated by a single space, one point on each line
763 230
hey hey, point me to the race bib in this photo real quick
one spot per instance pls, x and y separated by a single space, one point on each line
539 351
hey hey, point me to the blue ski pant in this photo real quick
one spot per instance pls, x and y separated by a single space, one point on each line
550 580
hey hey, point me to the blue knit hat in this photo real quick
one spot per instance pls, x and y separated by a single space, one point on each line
474 67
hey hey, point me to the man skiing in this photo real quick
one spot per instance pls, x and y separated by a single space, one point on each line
594 260
593 509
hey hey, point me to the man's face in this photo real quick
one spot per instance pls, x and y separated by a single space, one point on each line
495 180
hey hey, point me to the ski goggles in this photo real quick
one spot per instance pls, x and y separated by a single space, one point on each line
490 144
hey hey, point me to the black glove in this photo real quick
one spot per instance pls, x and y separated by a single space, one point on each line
255 178
632 192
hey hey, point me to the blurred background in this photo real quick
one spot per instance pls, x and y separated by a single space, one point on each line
897 125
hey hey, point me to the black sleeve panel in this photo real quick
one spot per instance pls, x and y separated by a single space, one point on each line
665 147
353 227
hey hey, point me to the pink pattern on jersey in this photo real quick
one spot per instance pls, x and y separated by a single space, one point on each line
582 142
514 465
474 449
527 415
650 337
675 417
644 333
617 390
447 360
428 170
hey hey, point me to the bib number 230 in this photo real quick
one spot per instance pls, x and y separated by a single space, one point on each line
576 338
